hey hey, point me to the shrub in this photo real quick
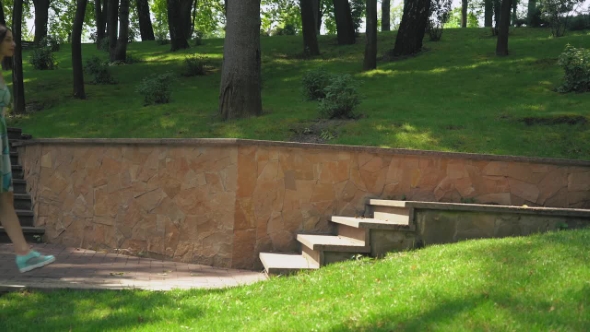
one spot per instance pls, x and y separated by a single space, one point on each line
341 98
99 69
314 83
440 13
579 22
193 66
576 64
162 38
199 38
155 89
43 59
105 44
50 42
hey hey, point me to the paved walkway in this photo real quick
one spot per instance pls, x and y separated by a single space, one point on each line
86 269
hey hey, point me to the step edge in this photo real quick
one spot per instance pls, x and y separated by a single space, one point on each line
333 247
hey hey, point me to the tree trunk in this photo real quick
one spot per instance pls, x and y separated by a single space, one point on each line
18 85
240 92
412 28
502 45
177 13
489 13
145 22
531 12
113 19
77 50
100 18
310 36
2 16
317 15
344 23
464 13
370 62
41 19
385 15
497 5
121 49
514 5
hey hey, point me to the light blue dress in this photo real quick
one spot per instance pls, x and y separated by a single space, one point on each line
5 167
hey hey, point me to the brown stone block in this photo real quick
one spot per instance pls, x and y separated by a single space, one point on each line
559 199
457 170
229 178
496 198
244 253
244 214
524 190
577 197
552 183
497 168
579 181
334 171
322 192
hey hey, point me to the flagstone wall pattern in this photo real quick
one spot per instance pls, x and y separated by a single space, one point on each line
221 202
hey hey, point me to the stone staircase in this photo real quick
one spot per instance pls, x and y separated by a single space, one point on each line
403 225
22 200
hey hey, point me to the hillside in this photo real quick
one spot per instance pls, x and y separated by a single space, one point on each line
455 96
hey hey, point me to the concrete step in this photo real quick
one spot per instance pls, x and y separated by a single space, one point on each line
359 222
22 202
14 133
26 218
20 186
392 211
31 234
332 243
17 172
284 264
14 158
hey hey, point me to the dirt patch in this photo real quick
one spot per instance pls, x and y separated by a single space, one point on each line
317 132
555 120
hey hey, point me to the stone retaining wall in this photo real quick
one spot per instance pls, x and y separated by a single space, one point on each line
220 202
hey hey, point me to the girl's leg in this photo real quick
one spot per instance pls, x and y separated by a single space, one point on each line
26 259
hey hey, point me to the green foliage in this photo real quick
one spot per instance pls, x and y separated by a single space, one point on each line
315 82
99 69
131 59
439 16
105 44
358 11
557 12
576 65
455 19
341 98
193 66
51 42
578 22
43 59
155 88
162 37
281 17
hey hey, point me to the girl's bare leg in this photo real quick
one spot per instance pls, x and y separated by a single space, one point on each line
11 224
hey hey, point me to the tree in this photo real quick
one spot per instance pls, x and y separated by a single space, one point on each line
77 50
100 16
488 13
179 20
344 24
112 31
502 44
240 92
41 19
371 36
308 22
412 28
145 22
2 17
463 13
18 85
121 48
385 15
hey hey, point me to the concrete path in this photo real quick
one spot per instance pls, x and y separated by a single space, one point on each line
76 268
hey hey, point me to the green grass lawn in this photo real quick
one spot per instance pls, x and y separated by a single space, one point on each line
456 96
537 283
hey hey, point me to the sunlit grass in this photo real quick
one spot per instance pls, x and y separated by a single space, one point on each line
536 283
456 83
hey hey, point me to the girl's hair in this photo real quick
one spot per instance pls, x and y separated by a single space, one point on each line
7 61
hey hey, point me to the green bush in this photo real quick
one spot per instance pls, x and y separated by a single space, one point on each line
50 42
162 38
43 59
579 22
193 66
314 83
576 65
99 69
105 45
155 89
341 98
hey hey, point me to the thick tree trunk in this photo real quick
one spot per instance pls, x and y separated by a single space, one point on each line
77 50
240 92
317 15
178 11
100 17
146 29
488 13
310 36
112 30
370 62
502 45
344 23
41 19
514 6
386 15
531 13
412 28
18 85
497 14
464 13
121 49
2 16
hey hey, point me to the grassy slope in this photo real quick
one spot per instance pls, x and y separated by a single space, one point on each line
537 283
456 97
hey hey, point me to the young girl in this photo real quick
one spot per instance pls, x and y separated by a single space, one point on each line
26 259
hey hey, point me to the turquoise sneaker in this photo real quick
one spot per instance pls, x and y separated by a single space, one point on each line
32 261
